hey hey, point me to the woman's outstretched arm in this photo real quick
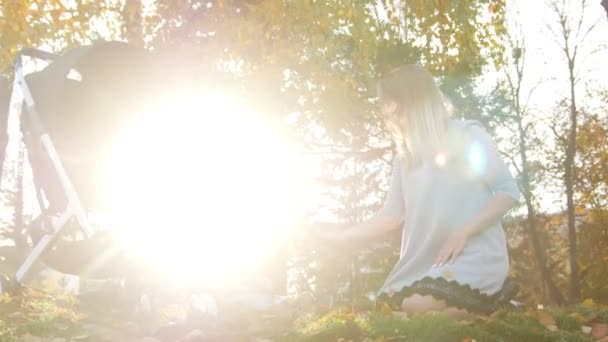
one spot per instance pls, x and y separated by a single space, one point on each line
389 218
377 225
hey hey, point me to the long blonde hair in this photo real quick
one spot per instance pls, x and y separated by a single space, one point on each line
419 124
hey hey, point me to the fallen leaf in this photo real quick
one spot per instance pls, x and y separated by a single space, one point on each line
546 320
592 319
16 315
130 327
194 335
586 329
5 298
589 303
81 337
599 330
149 339
448 274
400 315
385 308
61 326
578 317
30 338
468 339
495 315
96 329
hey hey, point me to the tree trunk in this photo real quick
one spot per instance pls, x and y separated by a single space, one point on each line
555 295
569 180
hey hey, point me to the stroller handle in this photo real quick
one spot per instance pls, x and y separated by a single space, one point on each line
35 53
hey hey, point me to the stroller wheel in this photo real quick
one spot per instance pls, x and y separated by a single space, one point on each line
7 284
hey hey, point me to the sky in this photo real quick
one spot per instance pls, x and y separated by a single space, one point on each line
546 61
546 64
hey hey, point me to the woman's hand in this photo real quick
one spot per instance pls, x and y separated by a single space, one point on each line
452 248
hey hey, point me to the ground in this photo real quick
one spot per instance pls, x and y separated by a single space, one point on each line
34 315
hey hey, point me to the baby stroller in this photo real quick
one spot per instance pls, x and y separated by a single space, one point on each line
68 110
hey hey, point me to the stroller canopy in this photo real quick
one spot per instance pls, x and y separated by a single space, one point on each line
82 98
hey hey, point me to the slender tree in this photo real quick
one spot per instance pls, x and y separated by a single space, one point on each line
523 122
570 32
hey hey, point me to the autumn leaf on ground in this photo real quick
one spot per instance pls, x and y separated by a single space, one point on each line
30 338
546 320
62 326
589 303
578 317
400 315
348 316
599 330
591 319
495 315
385 308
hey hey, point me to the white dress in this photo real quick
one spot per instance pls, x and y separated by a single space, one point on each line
437 197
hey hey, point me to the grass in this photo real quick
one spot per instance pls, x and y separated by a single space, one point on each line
41 316
508 326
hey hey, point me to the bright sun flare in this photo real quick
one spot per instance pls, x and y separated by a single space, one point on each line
203 187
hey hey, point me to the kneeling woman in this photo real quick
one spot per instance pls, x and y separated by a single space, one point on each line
449 190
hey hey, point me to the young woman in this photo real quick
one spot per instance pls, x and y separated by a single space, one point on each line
449 190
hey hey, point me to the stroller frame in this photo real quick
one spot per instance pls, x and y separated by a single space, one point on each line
74 208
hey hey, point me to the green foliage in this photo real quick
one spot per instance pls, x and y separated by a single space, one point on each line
36 315
508 326
56 23
430 327
566 320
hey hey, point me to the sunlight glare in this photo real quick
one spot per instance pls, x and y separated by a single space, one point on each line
477 158
440 160
204 187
